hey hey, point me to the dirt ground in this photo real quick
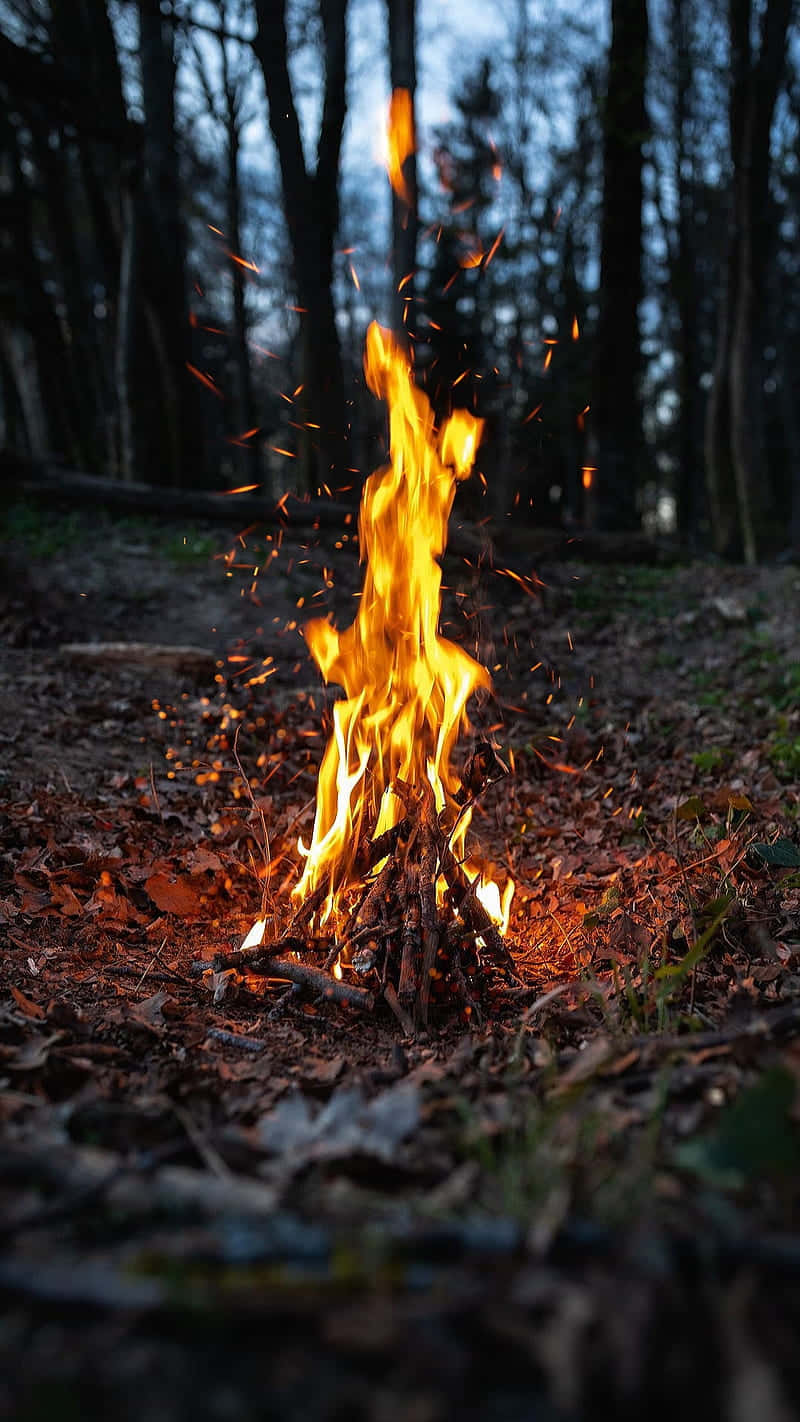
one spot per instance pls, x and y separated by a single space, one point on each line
222 1203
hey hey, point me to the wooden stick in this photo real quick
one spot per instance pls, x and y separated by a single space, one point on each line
370 907
409 962
399 1011
374 850
428 874
236 1039
265 966
465 899
481 769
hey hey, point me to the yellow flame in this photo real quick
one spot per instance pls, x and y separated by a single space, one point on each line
401 141
406 687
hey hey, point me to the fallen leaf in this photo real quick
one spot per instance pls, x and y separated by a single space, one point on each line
172 894
149 1012
346 1126
691 809
202 861
65 898
30 1009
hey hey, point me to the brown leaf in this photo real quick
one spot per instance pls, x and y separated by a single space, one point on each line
319 1072
149 1012
724 798
30 1009
173 894
202 860
65 898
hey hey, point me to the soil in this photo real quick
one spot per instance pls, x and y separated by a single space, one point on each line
220 1202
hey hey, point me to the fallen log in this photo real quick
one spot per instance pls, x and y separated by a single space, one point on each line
50 482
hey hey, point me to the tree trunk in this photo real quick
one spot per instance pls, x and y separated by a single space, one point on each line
32 330
240 350
683 257
616 413
21 364
63 205
125 351
312 216
403 75
735 460
163 249
720 486
761 82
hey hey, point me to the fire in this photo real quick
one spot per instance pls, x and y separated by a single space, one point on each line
406 687
401 142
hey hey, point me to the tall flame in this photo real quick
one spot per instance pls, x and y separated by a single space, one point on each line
401 141
406 687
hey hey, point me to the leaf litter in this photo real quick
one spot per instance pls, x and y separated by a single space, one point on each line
531 1191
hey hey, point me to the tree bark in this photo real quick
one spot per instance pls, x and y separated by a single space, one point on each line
163 249
735 463
31 327
125 348
311 206
240 350
616 413
682 261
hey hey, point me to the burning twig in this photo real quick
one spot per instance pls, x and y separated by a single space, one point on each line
262 964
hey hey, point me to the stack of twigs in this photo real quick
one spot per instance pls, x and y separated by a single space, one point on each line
398 943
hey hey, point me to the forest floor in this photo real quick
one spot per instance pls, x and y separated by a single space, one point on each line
585 1204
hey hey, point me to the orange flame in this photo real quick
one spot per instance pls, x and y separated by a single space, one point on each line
406 688
401 141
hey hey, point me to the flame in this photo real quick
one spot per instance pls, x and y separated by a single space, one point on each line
406 688
401 141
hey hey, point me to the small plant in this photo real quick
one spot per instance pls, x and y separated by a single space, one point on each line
711 759
784 757
42 533
189 548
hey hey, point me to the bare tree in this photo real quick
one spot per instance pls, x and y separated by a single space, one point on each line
228 109
738 489
616 413
311 204
163 246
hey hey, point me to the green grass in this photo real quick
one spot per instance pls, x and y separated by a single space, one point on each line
42 533
783 753
45 534
187 549
619 588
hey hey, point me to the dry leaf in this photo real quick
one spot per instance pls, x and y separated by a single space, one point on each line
30 1009
149 1012
173 894
65 898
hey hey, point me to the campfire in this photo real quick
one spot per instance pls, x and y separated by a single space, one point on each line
390 902
389 894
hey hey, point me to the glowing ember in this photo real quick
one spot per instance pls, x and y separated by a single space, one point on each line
406 687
